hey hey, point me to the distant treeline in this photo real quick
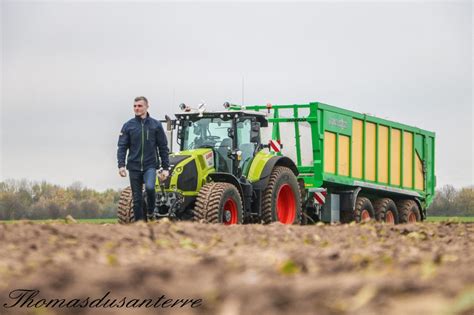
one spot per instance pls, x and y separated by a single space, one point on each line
450 201
22 199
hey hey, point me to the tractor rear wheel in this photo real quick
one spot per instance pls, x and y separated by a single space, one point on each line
125 208
218 203
386 211
281 201
409 211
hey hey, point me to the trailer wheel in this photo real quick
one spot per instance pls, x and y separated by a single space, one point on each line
281 199
125 208
409 211
218 203
386 211
363 211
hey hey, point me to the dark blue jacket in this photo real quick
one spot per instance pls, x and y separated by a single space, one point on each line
144 139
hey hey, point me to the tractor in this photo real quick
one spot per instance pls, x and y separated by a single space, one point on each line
223 173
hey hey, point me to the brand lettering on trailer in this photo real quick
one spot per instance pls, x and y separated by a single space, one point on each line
340 123
320 197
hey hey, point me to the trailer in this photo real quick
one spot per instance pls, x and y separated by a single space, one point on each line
353 166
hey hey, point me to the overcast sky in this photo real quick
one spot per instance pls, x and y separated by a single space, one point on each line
70 72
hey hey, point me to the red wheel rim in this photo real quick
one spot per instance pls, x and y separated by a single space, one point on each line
364 215
412 217
230 212
389 217
286 205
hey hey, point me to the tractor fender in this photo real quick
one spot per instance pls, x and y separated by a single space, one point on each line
227 178
267 170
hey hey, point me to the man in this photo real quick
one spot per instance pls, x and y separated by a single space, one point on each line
142 136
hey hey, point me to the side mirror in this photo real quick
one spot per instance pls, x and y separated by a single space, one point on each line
255 132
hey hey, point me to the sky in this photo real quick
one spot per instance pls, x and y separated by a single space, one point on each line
70 71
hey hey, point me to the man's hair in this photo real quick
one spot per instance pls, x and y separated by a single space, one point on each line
141 98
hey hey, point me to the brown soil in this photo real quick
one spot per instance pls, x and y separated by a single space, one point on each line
367 268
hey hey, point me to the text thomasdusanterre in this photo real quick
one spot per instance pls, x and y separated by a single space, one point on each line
27 298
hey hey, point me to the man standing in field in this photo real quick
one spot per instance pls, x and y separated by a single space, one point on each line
144 139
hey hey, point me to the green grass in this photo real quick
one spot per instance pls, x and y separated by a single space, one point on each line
98 221
451 219
93 221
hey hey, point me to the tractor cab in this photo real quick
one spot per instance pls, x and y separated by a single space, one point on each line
233 136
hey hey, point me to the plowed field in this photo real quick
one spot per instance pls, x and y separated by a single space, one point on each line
369 268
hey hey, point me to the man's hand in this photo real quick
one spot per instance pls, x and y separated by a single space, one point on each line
163 175
122 172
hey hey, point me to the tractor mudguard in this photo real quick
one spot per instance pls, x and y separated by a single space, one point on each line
227 178
280 161
260 173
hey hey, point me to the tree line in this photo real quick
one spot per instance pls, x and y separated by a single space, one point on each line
23 199
450 201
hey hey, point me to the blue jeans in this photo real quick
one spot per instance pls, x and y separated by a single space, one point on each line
137 179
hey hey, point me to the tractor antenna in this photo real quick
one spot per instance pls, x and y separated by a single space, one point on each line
242 90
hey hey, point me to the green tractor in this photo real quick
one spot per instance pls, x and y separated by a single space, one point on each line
223 173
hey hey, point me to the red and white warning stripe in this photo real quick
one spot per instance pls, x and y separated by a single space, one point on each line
320 197
275 145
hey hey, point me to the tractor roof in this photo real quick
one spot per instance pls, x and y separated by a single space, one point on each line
225 115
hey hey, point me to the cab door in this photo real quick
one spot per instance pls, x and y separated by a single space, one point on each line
246 144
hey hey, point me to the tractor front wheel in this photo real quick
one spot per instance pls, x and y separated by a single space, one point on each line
281 200
125 208
218 203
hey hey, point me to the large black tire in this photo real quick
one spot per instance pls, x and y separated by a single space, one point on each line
125 208
363 210
218 203
386 211
281 200
409 211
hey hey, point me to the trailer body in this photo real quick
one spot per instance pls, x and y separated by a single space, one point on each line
339 151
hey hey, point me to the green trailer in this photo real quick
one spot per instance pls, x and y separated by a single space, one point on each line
353 166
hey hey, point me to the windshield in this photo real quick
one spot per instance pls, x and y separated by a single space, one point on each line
207 132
